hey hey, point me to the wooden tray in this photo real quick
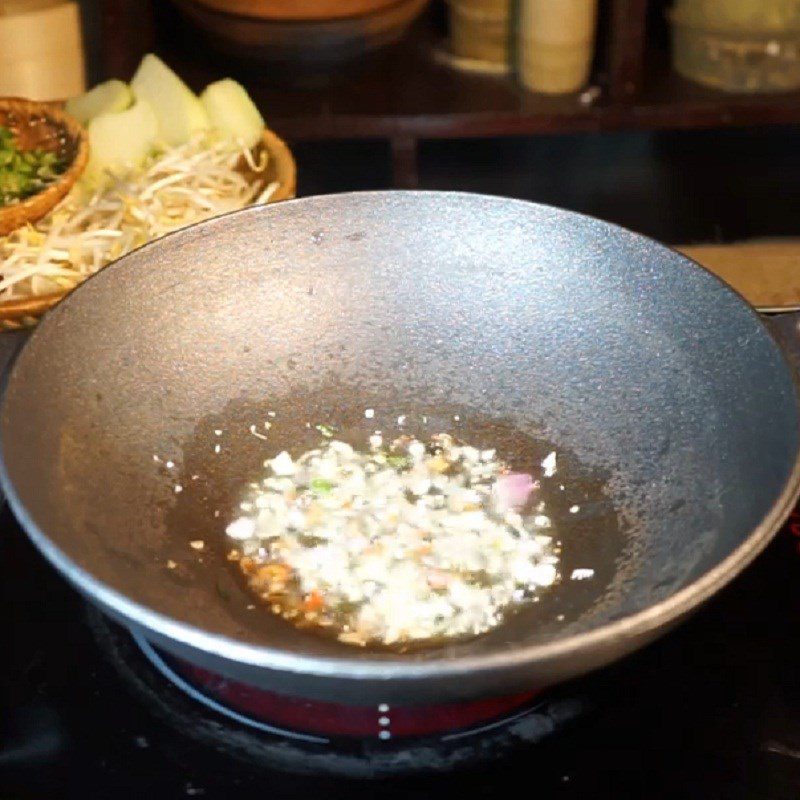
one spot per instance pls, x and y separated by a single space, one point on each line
766 273
281 168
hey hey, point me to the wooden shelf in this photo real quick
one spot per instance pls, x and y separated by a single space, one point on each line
404 93
400 91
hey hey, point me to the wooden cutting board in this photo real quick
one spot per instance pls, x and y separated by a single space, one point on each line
766 273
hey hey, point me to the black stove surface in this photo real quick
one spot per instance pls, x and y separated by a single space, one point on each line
710 711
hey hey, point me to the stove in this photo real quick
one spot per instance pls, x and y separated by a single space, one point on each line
712 711
266 731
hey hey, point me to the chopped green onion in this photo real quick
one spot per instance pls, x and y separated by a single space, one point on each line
326 430
24 173
307 540
321 486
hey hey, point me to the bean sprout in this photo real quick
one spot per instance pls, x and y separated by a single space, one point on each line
90 228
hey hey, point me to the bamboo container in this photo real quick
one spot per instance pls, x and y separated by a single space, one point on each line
479 29
556 44
41 49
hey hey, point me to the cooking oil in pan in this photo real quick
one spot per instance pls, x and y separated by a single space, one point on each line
227 452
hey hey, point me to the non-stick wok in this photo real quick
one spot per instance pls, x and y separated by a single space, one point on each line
643 367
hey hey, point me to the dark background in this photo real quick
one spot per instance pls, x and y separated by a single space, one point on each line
677 186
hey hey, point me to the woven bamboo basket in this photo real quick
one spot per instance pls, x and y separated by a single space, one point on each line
281 169
42 126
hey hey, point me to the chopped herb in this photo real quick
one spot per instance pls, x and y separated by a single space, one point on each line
398 462
307 540
478 578
321 486
24 173
223 591
326 430
347 606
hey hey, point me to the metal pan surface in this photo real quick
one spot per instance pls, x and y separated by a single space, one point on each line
674 409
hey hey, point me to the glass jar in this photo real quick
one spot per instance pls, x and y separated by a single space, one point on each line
749 46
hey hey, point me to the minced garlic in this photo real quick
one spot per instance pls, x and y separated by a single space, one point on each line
407 542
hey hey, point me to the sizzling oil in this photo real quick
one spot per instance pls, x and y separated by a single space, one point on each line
227 452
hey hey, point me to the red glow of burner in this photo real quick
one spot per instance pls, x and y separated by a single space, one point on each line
793 525
333 719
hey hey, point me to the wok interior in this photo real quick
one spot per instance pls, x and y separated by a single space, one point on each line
642 369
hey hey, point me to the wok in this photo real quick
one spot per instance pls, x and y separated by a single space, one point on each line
643 367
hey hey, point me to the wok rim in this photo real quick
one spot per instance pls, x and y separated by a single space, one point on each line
631 627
